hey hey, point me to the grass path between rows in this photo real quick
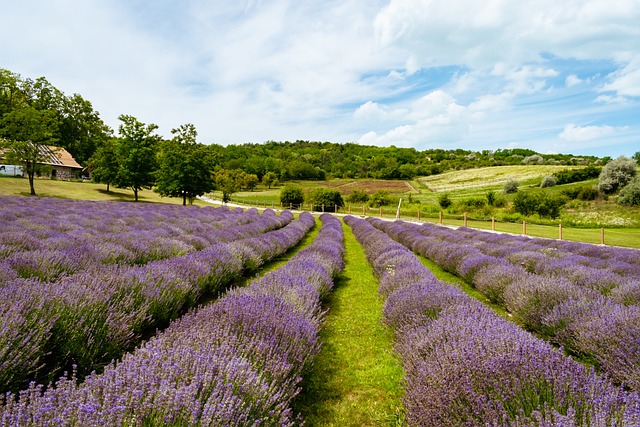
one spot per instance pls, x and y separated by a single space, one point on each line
356 379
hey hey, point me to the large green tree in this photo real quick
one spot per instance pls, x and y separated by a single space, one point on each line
104 163
136 154
23 131
184 166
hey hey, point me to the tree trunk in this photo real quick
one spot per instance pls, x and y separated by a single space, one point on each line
31 186
135 194
184 199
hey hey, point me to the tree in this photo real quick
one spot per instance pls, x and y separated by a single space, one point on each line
25 129
325 199
136 153
636 157
104 164
444 201
229 182
184 169
630 194
269 179
249 181
82 130
616 174
291 195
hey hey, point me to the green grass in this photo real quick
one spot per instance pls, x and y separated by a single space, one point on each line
356 380
80 191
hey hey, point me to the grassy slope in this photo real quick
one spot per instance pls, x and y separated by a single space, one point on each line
78 190
356 380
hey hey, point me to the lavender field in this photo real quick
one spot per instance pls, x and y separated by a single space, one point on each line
119 314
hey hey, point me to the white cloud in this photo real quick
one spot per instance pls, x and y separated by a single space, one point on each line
255 70
573 133
626 81
572 80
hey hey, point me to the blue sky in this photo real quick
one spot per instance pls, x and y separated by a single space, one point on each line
547 75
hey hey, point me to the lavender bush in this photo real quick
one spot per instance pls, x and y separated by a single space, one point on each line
465 366
558 289
236 362
90 313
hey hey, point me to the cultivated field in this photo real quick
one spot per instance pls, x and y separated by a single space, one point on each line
159 289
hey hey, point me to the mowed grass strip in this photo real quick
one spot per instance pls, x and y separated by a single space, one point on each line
356 379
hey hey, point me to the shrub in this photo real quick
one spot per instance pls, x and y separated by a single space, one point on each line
511 186
491 198
444 201
567 176
325 199
527 202
533 160
616 174
546 205
358 196
550 205
291 195
380 198
588 193
548 181
630 194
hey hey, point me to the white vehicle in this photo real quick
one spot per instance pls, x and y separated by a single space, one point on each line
11 170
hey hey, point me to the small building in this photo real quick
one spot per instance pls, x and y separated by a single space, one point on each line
63 165
59 162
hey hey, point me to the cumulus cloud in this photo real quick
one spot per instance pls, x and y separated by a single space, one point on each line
573 133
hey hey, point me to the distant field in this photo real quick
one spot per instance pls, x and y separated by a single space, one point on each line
490 176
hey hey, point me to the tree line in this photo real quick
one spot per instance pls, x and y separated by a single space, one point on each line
35 112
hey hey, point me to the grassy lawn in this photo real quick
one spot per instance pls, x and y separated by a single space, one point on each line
80 191
356 380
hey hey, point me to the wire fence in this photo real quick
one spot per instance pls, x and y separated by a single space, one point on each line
626 237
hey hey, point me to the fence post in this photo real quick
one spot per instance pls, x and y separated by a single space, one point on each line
335 208
524 228
418 214
560 231
290 206
465 219
602 236
364 210
493 224
322 208
440 221
380 211
272 204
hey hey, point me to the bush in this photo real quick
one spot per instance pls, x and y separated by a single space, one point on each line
491 198
358 196
546 205
548 181
510 186
291 195
444 201
325 199
527 202
567 176
380 198
616 174
588 193
473 203
630 194
550 205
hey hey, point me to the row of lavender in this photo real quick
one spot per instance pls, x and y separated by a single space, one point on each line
593 312
46 238
235 362
91 317
466 366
